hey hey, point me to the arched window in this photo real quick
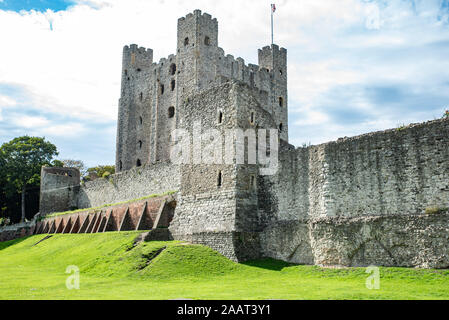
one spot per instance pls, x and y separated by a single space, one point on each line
207 41
171 112
281 102
173 69
139 163
220 179
186 42
172 85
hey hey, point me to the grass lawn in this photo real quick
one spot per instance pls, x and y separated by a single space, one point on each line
111 267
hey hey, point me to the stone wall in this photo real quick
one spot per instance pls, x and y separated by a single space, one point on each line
362 200
133 184
59 189
394 240
17 231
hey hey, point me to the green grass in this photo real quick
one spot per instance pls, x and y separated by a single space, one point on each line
112 267
57 214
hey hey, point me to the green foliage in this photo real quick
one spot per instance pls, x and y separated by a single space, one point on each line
21 160
446 114
112 266
436 210
4 222
106 175
69 163
99 172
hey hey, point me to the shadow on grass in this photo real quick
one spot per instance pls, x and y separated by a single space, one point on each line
269 264
6 244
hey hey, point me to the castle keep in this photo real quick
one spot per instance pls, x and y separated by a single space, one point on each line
153 95
380 198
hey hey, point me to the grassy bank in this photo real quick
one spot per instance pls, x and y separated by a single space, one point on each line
112 267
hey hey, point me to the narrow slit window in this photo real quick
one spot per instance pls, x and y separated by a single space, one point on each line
139 163
141 96
171 112
162 89
281 102
186 41
253 182
173 85
140 144
173 69
220 117
220 179
281 127
252 118
207 41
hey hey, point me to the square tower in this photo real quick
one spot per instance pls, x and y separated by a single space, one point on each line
196 51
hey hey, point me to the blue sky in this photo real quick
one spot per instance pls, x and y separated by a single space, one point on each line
354 66
39 5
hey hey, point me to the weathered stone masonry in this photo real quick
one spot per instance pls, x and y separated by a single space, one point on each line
353 202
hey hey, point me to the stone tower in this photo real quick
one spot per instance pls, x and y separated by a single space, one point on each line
153 94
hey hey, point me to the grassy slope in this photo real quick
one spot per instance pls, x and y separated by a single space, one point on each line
112 268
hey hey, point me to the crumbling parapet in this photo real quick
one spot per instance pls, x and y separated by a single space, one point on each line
59 189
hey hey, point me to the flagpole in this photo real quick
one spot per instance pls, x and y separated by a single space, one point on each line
272 36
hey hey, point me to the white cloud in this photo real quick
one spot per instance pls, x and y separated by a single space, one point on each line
6 101
75 68
64 130
30 122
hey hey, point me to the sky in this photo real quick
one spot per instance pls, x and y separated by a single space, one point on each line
354 66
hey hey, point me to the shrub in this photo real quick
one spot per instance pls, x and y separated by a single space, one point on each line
436 210
4 222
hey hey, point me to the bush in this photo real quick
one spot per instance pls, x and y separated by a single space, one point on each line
4 222
436 210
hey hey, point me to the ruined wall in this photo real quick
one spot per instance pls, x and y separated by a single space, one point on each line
59 189
399 171
128 185
348 202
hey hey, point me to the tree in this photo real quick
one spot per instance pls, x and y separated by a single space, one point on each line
22 160
69 163
99 172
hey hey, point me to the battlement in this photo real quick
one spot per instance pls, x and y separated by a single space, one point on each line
197 14
134 48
